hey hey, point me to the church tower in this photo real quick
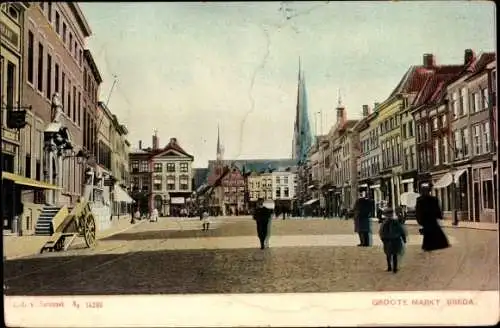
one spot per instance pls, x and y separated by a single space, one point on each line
302 138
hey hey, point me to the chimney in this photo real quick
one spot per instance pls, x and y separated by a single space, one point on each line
173 141
366 110
156 141
429 61
140 144
375 105
469 56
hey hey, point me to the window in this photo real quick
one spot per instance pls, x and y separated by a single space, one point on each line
488 194
170 167
68 104
58 23
435 124
285 180
454 104
79 112
485 98
63 90
70 42
477 139
463 101
56 78
436 151
31 58
48 91
465 141
184 167
134 166
75 49
144 166
49 11
157 185
486 137
458 144
64 32
40 67
410 129
445 149
80 56
74 103
278 193
171 183
476 105
157 167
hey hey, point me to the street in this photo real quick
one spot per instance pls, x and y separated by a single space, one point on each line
174 256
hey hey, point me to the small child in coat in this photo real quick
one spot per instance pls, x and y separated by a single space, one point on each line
205 219
393 236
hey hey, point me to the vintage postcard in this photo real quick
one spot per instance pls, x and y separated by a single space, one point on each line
322 163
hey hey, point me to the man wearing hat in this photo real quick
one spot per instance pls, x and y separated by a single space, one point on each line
428 213
262 216
362 219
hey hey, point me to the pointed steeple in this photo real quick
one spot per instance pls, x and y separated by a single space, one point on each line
219 145
341 114
302 138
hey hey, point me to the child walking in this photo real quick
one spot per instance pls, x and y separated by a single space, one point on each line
205 219
393 236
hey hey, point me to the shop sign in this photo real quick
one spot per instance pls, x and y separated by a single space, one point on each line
9 134
8 148
487 174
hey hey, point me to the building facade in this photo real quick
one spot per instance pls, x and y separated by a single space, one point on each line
471 173
140 178
55 35
91 84
172 175
369 159
12 17
283 189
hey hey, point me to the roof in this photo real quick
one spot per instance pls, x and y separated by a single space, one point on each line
172 145
93 67
80 18
256 165
434 87
480 63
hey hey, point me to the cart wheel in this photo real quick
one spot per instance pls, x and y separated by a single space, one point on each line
89 231
59 246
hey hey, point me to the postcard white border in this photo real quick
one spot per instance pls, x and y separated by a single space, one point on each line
224 310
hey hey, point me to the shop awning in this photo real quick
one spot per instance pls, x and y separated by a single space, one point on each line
311 201
364 185
20 180
458 174
375 186
121 195
444 181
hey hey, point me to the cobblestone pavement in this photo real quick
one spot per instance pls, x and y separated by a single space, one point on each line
175 256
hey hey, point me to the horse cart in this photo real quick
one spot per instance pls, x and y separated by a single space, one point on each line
80 222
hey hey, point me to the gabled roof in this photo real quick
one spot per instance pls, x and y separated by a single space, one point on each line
480 63
434 87
172 145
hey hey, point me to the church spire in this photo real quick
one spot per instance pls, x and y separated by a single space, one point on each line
302 139
219 146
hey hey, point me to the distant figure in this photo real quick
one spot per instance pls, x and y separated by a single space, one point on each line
154 215
205 220
136 216
362 213
262 217
428 212
393 236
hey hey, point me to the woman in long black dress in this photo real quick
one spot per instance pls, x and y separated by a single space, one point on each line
428 213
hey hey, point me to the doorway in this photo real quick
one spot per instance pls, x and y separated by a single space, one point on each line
477 207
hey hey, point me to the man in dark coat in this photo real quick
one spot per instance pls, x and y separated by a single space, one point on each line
262 217
428 212
362 219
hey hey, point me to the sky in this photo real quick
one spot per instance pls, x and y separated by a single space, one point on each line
184 69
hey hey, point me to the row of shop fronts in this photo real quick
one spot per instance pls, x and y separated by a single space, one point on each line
471 189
